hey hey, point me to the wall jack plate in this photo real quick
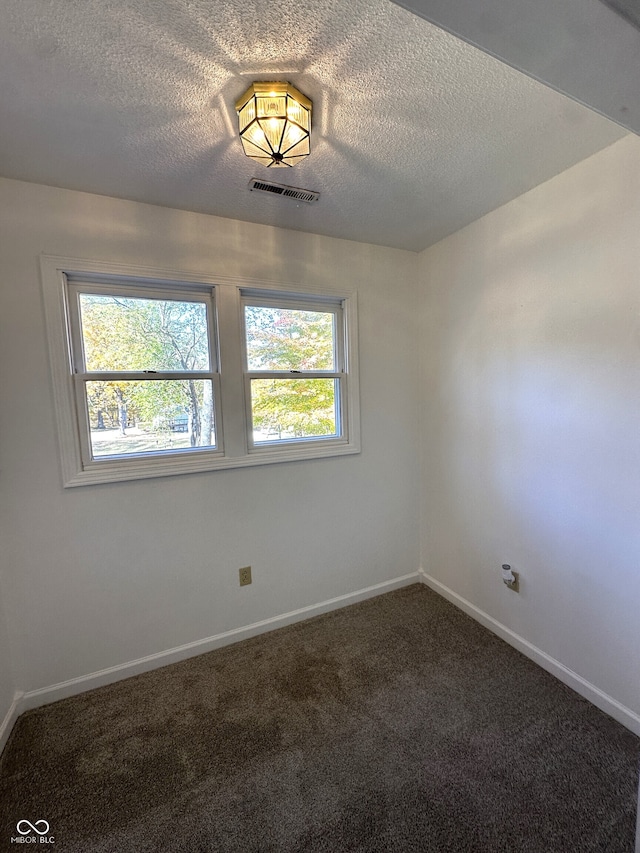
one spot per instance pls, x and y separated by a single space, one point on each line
514 584
245 576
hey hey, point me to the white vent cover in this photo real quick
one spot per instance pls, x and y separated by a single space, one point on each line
308 196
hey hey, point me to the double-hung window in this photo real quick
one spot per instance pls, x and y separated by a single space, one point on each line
144 370
295 382
158 374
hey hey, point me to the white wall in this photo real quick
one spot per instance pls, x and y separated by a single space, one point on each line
531 417
7 685
101 575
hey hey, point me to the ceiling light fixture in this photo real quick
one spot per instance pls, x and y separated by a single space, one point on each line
275 123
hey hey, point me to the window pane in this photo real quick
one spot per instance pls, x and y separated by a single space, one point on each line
147 417
130 333
286 409
287 339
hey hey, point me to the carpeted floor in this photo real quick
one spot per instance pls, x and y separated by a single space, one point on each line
397 724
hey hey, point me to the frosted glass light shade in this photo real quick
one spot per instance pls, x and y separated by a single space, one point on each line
274 120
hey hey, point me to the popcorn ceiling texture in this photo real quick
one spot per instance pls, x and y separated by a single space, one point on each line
415 133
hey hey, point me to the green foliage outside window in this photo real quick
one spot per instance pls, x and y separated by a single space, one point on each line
122 334
281 339
133 335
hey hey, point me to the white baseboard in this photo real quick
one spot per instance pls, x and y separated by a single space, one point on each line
576 682
11 716
45 695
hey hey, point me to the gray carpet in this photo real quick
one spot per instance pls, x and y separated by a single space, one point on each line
398 724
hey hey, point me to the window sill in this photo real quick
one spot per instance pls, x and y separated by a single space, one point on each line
112 471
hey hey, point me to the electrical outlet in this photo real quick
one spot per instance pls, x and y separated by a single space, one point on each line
245 576
515 584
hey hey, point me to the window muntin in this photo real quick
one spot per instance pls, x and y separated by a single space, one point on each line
142 363
294 378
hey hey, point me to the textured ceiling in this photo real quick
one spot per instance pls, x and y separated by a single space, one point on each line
415 133
587 49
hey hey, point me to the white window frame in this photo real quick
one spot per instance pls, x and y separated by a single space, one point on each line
235 446
299 302
81 375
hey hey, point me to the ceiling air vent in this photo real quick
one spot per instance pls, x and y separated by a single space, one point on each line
297 194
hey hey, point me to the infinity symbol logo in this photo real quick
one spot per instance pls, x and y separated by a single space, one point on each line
32 828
